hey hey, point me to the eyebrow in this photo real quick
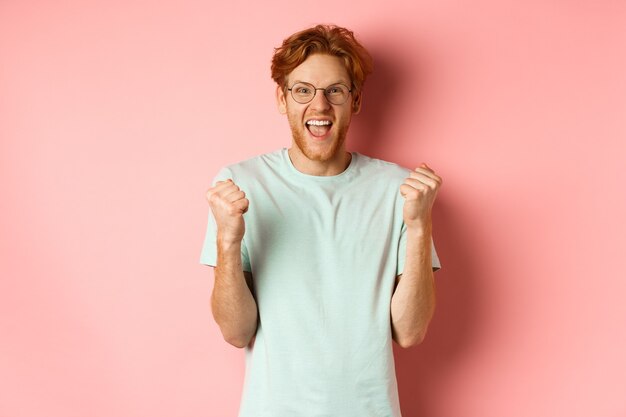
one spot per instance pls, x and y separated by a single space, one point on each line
336 82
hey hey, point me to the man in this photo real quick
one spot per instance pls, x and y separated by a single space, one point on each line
321 256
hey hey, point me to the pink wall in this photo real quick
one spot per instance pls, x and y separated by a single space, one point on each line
115 115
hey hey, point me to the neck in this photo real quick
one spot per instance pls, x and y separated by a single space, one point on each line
334 166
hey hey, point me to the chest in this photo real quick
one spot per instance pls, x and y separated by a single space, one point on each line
330 213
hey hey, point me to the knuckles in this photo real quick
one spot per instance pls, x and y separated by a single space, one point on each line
227 200
413 189
415 184
213 198
421 176
409 192
422 183
219 203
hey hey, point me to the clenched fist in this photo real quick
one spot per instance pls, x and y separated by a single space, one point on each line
419 191
228 204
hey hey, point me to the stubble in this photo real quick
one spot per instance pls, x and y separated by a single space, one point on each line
299 137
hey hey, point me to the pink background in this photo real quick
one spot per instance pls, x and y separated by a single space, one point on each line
115 115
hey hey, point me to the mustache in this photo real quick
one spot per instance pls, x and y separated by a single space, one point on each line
320 115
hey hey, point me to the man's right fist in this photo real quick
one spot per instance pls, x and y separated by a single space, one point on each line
228 204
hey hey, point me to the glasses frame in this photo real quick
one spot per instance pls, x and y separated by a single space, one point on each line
319 88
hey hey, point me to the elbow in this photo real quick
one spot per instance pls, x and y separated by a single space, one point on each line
414 335
413 340
239 337
238 341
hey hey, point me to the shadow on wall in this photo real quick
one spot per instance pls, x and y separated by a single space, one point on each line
423 371
369 130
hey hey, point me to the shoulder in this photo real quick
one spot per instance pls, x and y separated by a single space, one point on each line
381 169
250 168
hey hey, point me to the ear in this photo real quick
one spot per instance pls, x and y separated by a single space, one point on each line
281 100
356 103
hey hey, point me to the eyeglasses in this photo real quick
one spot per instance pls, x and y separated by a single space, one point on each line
335 94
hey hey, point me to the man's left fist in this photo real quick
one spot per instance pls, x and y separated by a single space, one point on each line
419 191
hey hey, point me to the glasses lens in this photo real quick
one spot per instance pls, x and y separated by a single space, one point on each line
337 93
302 92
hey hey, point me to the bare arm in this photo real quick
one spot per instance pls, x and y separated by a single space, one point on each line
232 302
413 300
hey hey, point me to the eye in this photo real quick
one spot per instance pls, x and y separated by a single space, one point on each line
303 89
335 90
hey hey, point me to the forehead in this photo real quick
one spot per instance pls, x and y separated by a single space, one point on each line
320 70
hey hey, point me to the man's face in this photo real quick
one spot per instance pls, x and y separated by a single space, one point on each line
319 128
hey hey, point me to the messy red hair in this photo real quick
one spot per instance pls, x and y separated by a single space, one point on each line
322 39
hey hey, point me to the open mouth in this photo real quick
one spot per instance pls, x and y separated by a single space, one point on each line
319 128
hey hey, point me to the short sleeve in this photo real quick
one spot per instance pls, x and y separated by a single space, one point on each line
402 253
208 255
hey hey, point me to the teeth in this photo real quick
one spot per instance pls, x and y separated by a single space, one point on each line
318 122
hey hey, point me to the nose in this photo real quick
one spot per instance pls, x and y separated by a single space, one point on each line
320 102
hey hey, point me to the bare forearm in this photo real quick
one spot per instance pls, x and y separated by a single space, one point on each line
413 302
232 303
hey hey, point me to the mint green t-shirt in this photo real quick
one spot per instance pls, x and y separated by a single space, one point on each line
324 252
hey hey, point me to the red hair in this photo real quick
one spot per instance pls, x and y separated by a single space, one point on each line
322 39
